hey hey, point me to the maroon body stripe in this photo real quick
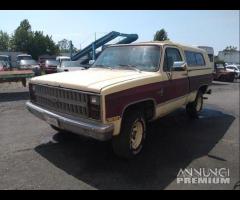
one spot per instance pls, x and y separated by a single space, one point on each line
196 81
116 102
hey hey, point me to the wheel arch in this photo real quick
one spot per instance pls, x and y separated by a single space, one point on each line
147 105
203 88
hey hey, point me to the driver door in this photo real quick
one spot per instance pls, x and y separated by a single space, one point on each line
176 83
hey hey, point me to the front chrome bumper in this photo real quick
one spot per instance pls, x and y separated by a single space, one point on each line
82 127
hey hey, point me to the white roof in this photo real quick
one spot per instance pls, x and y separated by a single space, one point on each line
24 55
58 57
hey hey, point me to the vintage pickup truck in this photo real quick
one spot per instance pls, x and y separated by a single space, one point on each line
127 86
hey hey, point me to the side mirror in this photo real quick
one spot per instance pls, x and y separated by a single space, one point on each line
91 62
179 66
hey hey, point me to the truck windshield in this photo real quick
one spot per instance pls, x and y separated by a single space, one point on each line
64 59
4 58
24 58
144 58
52 62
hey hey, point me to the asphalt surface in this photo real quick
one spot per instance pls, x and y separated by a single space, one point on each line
34 156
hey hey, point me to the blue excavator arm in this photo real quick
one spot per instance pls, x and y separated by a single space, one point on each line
90 49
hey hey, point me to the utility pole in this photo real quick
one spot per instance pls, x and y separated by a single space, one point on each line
71 49
93 47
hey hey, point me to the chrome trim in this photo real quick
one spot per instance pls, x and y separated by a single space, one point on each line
61 100
64 88
84 127
78 91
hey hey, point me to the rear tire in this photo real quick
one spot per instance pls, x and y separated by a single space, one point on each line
231 78
130 140
195 107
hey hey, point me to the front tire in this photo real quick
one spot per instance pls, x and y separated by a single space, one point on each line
129 142
193 109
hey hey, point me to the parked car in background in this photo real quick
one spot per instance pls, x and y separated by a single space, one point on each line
42 59
23 57
221 74
3 65
65 66
126 87
30 64
235 69
6 59
60 59
50 66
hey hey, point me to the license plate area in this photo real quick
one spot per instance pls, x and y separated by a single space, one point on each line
52 121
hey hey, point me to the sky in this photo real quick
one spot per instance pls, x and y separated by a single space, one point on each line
197 27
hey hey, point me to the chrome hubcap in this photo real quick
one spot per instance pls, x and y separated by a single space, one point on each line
136 134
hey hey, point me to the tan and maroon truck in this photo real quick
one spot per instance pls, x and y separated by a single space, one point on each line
127 86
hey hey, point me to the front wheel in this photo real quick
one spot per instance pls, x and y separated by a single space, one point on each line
129 142
195 107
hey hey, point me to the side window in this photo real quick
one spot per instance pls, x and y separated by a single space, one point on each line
190 58
200 59
194 59
210 57
171 55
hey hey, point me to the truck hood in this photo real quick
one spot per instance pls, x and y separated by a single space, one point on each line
92 80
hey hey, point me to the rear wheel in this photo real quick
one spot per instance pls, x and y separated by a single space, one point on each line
195 107
129 142
231 78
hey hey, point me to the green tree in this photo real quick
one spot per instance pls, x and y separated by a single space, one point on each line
22 37
51 47
161 35
34 43
64 46
4 41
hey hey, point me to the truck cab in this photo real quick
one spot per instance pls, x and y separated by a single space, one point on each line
23 57
6 59
127 86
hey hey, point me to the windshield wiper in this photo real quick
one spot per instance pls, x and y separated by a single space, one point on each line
134 67
102 66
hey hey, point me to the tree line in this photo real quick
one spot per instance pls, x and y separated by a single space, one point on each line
34 43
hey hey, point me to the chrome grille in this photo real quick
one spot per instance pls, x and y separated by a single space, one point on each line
62 100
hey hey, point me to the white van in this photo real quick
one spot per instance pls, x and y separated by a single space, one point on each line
63 58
